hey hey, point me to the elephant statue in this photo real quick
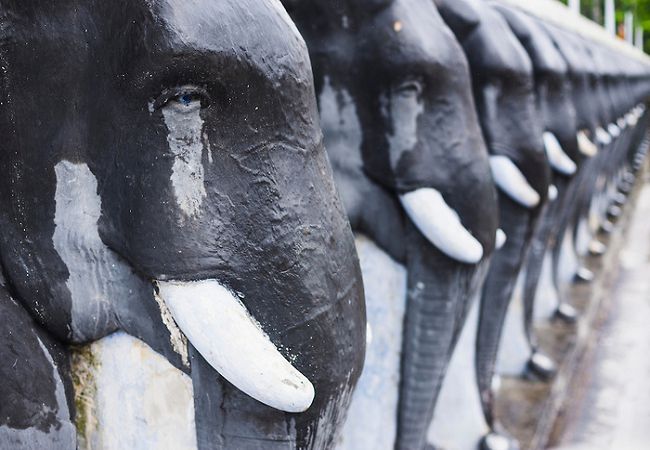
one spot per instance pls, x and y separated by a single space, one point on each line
166 181
503 84
558 115
404 141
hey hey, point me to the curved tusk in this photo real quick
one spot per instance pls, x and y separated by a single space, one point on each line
613 130
559 160
585 145
552 192
219 326
440 224
512 182
603 136
501 239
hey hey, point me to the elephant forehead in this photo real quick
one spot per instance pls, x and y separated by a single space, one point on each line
259 31
494 47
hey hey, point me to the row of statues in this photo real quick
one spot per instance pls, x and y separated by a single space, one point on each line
257 224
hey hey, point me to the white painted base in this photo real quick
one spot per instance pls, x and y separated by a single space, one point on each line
134 399
546 298
584 235
372 418
514 349
568 262
458 421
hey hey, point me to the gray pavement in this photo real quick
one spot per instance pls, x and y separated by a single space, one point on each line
609 405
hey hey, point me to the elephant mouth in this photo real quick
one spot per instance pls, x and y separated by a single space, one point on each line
218 325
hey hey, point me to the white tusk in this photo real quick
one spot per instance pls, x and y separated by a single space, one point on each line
501 239
603 136
613 130
552 192
585 145
632 119
441 225
559 160
510 180
219 326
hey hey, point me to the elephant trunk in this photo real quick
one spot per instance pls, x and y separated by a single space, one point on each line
544 234
438 297
516 222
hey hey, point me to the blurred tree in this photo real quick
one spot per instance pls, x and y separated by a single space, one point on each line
593 9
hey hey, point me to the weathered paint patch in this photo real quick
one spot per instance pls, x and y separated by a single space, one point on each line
372 418
35 439
403 106
94 271
186 140
135 398
176 337
338 112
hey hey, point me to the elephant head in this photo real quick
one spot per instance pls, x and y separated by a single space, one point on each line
503 82
165 176
552 91
409 159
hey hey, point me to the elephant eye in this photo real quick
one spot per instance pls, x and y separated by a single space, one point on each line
183 98
409 88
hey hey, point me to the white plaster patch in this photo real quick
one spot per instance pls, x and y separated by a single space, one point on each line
441 225
584 236
141 401
546 297
340 123
372 418
219 326
514 349
403 106
458 421
568 263
186 141
176 337
90 263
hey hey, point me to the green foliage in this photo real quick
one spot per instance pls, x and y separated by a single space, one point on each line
593 9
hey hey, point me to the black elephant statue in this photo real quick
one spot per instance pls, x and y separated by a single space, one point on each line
403 137
503 85
165 179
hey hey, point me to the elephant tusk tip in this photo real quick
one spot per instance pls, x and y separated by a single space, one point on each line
501 239
302 399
